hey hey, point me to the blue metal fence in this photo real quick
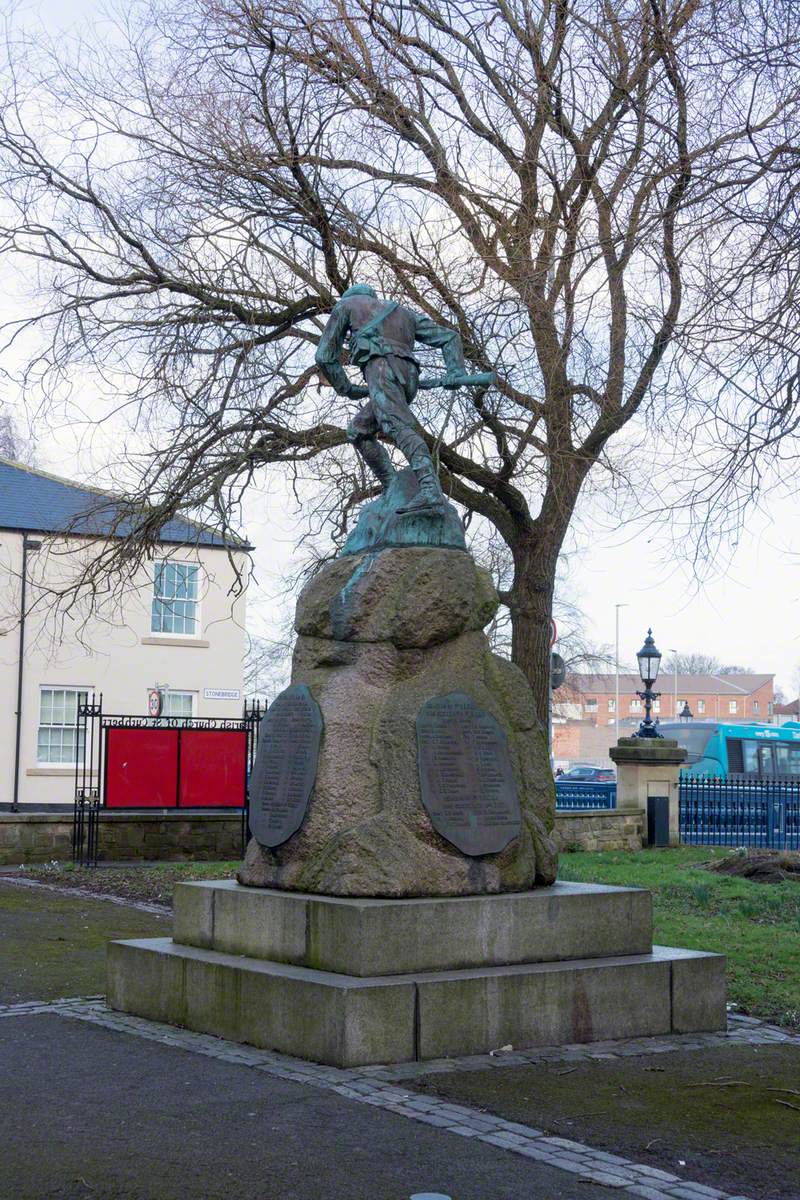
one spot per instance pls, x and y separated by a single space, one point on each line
714 811
736 811
571 795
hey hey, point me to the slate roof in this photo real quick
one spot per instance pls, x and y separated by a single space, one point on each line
37 502
691 685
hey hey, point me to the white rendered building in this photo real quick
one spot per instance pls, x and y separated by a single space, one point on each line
179 625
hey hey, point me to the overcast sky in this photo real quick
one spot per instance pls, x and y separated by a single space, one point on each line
745 611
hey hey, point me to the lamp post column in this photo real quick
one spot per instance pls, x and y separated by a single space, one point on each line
617 607
27 546
648 765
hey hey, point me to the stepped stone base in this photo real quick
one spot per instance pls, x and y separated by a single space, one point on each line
353 982
355 936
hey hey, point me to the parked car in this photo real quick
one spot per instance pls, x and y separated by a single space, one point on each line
588 775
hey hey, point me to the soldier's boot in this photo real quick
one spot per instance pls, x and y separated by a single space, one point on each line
429 498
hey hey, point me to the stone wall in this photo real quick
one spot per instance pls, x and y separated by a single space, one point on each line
175 836
599 830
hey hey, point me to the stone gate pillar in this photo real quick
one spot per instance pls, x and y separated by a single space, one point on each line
647 772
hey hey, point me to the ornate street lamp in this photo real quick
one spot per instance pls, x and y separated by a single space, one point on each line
686 713
649 659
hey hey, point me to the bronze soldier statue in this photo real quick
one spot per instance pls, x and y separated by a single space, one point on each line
382 336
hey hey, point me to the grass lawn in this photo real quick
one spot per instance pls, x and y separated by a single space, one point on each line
52 946
756 925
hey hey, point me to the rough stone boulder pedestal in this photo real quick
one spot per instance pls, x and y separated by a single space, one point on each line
380 636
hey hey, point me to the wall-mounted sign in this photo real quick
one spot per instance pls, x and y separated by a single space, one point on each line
155 701
221 694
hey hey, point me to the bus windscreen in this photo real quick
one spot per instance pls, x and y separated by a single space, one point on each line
692 738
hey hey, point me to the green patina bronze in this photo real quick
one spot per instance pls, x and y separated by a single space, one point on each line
411 510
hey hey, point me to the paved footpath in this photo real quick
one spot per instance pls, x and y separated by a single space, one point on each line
90 1112
101 1104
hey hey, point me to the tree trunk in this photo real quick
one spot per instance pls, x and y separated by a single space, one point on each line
531 605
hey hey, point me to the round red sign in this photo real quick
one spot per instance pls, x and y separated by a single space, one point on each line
154 702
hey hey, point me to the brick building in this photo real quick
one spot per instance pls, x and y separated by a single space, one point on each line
786 712
585 717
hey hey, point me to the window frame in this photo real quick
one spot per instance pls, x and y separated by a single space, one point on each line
733 708
171 692
197 601
79 690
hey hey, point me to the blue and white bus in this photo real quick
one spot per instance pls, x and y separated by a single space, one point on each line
750 751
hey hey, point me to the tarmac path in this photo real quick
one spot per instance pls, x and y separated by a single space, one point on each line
93 1114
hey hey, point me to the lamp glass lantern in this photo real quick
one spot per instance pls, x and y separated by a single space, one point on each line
649 659
686 713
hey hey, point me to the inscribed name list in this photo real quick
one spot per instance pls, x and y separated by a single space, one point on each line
285 769
466 777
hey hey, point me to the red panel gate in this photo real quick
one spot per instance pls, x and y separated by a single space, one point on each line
213 768
175 768
145 763
141 768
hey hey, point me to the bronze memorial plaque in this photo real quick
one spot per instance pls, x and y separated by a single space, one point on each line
466 777
285 769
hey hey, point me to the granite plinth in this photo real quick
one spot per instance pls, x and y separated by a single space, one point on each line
354 981
347 1021
365 937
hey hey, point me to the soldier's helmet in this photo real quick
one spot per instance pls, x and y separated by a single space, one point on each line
360 289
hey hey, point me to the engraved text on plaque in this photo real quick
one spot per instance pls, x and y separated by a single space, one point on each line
466 776
285 769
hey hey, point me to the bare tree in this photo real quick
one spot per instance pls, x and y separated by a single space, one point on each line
691 663
12 443
698 663
8 442
576 185
266 666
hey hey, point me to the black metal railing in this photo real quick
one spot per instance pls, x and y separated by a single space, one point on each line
86 827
